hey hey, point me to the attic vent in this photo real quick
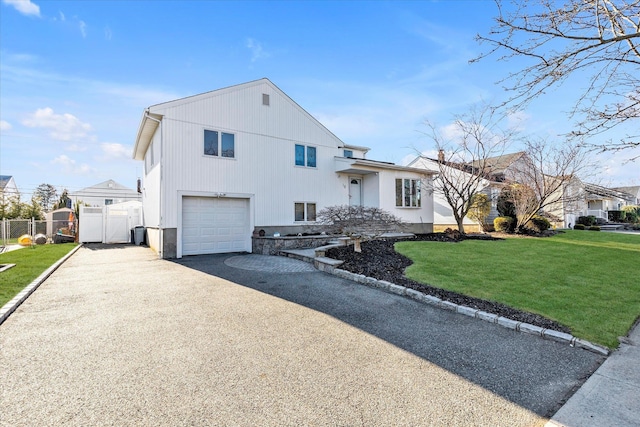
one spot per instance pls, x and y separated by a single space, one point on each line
265 99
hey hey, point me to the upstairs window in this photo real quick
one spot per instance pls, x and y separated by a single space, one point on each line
408 193
347 153
305 156
219 144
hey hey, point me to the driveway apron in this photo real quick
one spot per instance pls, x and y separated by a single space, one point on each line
118 337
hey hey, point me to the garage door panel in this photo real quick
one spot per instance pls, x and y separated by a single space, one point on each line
215 225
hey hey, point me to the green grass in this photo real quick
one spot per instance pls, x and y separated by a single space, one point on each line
30 262
588 281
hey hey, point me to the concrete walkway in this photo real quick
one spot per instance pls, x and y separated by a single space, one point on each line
611 396
117 337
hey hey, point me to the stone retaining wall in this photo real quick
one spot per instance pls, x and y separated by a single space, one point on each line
269 245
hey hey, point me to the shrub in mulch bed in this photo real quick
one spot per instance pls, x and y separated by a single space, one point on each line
379 260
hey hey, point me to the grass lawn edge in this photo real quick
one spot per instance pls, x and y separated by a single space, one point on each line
607 341
7 309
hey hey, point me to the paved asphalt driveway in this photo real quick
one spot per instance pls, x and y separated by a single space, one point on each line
118 337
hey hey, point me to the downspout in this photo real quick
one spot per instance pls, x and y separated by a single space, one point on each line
160 231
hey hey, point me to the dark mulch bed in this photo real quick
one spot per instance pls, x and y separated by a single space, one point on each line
379 260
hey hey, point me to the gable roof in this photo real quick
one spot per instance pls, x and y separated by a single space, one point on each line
4 181
108 185
607 192
634 190
499 164
494 167
151 117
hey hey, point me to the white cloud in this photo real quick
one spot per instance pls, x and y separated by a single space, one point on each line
4 125
69 166
113 150
62 17
62 127
83 28
257 51
26 7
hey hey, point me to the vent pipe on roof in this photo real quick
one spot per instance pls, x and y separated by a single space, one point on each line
441 156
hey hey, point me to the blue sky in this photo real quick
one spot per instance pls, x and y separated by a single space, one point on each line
75 76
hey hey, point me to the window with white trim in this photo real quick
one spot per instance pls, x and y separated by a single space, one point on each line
304 211
408 193
219 144
305 156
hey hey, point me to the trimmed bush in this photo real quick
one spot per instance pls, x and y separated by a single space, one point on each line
632 217
594 228
504 224
579 226
617 216
539 224
586 220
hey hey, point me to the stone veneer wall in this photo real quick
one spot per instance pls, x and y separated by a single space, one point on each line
269 245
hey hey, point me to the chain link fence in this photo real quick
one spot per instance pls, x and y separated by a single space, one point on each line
12 229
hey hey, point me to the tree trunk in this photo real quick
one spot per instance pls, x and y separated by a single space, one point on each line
460 222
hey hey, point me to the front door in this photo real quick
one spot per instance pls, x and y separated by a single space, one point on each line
355 191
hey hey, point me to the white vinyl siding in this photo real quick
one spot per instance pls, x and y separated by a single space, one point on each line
264 168
263 149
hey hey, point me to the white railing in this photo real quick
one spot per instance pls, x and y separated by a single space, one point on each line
598 213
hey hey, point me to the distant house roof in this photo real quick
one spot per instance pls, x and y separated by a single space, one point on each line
608 192
633 190
4 180
499 164
494 167
109 189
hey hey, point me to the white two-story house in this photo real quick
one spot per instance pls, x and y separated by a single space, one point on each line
224 165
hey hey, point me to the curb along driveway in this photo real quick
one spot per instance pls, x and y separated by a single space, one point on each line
118 337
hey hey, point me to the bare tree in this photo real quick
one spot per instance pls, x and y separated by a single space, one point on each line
359 222
463 160
542 177
597 41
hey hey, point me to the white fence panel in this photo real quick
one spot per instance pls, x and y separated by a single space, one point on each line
91 225
117 228
110 224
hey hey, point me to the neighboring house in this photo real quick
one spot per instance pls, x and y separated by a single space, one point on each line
601 200
224 165
634 191
8 186
442 213
104 194
500 170
8 190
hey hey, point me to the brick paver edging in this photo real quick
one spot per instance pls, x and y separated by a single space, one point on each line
468 311
14 303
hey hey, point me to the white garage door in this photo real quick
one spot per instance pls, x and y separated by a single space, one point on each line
215 225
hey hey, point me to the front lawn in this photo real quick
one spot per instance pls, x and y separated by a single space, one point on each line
30 262
588 281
